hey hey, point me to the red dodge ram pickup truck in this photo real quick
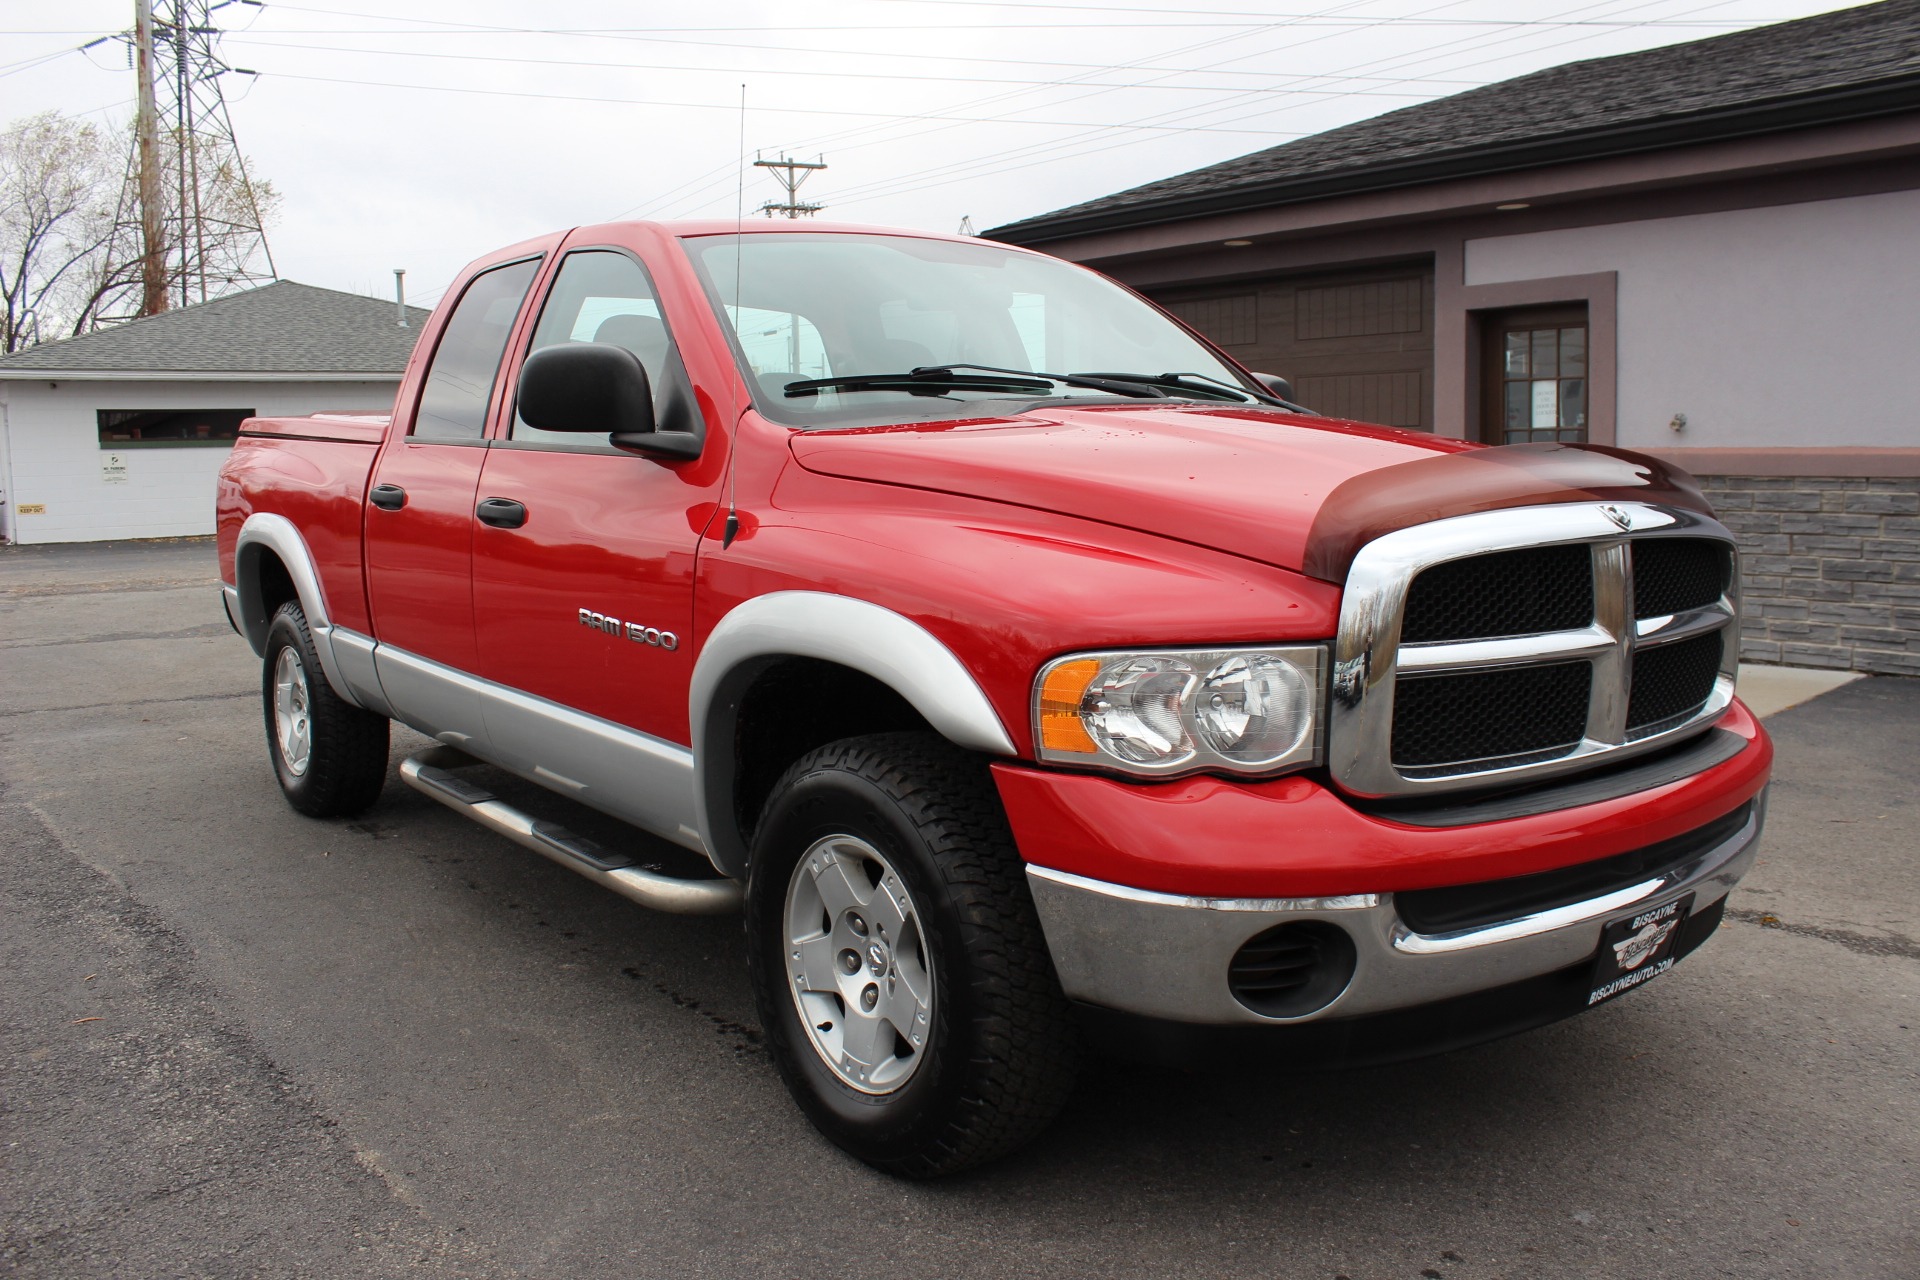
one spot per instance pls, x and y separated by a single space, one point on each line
1031 674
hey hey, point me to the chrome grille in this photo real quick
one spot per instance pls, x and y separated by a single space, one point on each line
1453 722
1674 574
1630 623
1671 682
1509 593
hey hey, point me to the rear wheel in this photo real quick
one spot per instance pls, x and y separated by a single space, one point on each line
330 756
900 971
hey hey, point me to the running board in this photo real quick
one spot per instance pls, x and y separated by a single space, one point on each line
428 772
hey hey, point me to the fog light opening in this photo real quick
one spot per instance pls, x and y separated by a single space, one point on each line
1292 969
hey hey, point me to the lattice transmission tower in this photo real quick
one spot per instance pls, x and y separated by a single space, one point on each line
190 225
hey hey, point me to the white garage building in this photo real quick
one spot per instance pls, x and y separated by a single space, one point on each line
120 433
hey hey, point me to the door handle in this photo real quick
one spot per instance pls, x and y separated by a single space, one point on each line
388 497
501 513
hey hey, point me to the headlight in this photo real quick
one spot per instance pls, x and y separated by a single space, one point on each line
1164 712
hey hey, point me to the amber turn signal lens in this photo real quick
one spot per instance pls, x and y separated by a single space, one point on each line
1060 694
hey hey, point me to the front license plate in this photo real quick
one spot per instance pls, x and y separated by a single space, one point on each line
1637 949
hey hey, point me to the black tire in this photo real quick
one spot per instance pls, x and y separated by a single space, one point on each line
347 762
1002 1050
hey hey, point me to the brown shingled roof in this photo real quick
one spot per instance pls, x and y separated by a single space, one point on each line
1850 64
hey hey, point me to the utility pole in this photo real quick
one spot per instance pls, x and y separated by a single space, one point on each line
153 247
792 174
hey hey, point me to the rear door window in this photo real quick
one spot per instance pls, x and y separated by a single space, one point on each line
453 403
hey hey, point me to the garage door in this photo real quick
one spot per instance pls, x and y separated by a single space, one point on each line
1356 344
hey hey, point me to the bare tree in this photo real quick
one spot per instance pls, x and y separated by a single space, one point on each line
59 188
71 243
210 252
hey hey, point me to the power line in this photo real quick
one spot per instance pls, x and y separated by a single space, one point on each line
519 60
1076 143
423 26
1143 65
1110 8
1140 64
695 106
891 54
1041 153
946 177
27 64
714 177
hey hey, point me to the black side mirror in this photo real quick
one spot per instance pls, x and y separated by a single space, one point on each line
595 387
1276 384
1282 390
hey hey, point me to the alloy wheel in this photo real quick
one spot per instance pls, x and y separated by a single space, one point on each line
858 966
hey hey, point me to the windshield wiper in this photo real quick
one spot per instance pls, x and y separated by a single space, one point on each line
1185 382
1121 386
931 379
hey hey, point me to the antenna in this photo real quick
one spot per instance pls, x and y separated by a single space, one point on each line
733 393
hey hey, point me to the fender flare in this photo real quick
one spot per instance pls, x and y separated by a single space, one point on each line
263 532
892 648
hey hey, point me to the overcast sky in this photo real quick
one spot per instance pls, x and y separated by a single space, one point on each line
421 133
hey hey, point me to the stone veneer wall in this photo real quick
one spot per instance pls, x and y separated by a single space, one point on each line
1830 569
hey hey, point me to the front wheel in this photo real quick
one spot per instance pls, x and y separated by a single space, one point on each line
900 971
329 755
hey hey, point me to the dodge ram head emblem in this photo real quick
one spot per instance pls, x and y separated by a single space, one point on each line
1618 516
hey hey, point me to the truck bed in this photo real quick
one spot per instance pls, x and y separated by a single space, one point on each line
313 471
342 428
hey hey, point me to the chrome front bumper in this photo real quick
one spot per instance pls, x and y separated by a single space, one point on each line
1164 956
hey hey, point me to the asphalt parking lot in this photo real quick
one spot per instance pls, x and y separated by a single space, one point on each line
239 1042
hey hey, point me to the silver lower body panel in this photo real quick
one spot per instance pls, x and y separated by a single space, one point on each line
1166 956
630 775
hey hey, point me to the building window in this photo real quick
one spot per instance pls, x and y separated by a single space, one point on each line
169 428
1537 383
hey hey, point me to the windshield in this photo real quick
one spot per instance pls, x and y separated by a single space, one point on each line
856 315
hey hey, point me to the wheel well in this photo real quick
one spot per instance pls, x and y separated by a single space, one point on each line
264 584
794 705
276 584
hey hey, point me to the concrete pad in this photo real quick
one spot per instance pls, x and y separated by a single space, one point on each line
1767 689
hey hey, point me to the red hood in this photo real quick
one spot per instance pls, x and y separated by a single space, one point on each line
1252 482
